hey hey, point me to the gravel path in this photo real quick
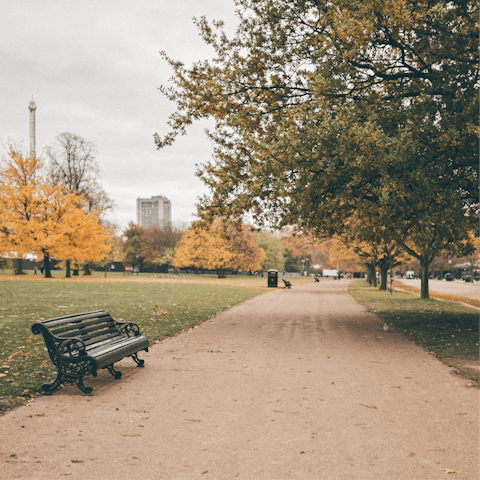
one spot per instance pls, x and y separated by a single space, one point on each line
296 384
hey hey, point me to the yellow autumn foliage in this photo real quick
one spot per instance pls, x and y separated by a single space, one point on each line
42 219
219 248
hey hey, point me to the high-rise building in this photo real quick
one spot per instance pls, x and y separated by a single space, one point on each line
154 212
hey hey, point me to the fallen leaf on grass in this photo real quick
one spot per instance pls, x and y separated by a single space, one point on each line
448 470
3 374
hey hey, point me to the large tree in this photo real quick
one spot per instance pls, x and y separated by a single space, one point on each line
274 250
326 110
155 241
72 164
221 247
132 245
42 219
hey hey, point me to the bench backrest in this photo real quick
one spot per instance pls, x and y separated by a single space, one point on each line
90 327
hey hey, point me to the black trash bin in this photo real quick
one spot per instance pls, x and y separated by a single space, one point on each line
273 278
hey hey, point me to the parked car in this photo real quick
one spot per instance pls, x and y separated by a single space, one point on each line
449 277
467 277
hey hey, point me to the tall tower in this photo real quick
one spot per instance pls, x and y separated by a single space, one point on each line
32 107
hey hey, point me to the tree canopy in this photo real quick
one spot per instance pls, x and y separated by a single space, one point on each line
72 164
41 219
220 247
326 111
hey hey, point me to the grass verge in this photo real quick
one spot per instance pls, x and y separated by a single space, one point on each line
160 309
446 329
440 295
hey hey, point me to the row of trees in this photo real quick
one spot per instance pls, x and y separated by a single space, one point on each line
54 207
355 119
221 247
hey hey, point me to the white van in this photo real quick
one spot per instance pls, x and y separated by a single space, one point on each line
330 273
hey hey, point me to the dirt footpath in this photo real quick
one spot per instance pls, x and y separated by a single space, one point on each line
296 384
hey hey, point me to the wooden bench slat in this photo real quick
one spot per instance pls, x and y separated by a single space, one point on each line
100 338
71 325
83 316
76 331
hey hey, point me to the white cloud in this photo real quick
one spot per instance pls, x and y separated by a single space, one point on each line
94 70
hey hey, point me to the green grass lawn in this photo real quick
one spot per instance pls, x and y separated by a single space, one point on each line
160 309
447 329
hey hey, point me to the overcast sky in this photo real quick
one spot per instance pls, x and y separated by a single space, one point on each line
93 68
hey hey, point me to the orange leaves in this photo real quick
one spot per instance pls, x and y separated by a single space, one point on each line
41 218
218 248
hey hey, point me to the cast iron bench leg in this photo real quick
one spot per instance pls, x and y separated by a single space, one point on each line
117 375
138 361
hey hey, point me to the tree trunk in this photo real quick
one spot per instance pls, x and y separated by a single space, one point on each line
75 272
221 273
46 264
371 276
424 264
19 269
67 265
383 277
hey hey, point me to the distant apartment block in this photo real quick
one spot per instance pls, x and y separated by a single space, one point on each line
154 212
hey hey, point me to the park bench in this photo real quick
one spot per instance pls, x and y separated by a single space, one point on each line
81 344
287 283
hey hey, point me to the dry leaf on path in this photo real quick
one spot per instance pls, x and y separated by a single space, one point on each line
131 434
448 470
369 406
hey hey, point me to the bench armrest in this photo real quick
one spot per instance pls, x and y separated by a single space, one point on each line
69 348
131 329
